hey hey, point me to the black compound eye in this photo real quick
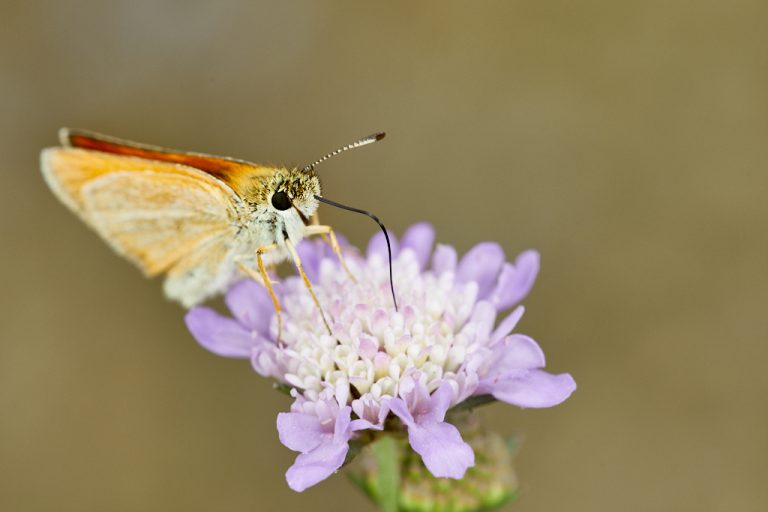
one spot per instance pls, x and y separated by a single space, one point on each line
280 201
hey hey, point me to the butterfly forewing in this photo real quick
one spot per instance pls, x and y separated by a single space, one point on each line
163 216
235 173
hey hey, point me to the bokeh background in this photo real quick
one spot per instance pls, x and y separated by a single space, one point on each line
627 141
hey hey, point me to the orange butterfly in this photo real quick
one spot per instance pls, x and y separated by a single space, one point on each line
200 219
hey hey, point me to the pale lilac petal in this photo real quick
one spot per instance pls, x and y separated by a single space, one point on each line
482 265
509 358
311 253
343 243
466 381
221 335
518 352
535 388
444 259
400 409
440 445
415 394
325 458
360 424
251 305
419 238
378 245
265 359
442 449
508 324
317 465
515 281
482 320
300 432
370 411
341 429
439 403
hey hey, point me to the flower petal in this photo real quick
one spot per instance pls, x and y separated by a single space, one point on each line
518 352
419 238
481 264
311 253
507 325
251 305
370 411
442 449
300 432
341 428
444 259
515 281
378 245
400 409
440 445
535 388
439 403
265 359
221 335
507 360
317 465
482 320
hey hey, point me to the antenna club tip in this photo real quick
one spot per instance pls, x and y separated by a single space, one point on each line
380 136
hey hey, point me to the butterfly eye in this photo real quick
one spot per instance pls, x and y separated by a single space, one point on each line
280 201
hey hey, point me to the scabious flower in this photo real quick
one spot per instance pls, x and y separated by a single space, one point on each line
384 369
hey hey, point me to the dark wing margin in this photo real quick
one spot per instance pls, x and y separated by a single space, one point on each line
222 168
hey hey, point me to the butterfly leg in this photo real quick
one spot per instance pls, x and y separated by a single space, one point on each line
263 278
268 283
245 269
314 223
300 268
334 243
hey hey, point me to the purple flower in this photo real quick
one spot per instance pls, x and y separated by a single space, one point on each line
442 347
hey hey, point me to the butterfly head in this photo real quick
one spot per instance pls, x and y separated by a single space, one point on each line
286 202
293 192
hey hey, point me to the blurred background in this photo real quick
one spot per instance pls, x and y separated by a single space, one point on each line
624 140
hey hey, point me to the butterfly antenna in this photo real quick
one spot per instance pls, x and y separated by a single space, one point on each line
381 225
362 142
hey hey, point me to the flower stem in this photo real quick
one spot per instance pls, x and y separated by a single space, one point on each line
388 463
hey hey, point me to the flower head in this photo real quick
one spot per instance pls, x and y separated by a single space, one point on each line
442 347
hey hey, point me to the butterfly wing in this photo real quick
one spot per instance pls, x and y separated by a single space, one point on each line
163 216
237 174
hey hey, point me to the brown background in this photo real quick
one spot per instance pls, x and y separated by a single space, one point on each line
627 141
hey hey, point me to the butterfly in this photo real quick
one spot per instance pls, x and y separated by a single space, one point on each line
204 221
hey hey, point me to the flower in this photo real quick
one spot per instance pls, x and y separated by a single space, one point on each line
382 367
